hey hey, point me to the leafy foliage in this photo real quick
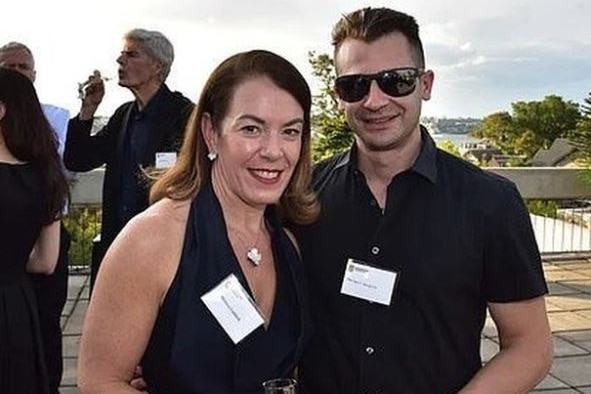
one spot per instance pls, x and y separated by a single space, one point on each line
449 147
582 139
582 136
498 129
531 126
331 133
586 107
547 208
83 223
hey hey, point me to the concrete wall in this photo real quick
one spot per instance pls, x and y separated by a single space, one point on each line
552 183
532 182
87 187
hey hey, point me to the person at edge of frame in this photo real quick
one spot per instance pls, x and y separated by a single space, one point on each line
51 291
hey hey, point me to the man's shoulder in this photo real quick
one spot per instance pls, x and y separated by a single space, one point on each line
176 99
123 107
176 106
181 98
467 176
326 169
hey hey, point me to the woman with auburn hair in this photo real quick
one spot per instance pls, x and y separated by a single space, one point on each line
204 290
33 191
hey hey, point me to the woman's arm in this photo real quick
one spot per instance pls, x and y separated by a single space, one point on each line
134 277
43 257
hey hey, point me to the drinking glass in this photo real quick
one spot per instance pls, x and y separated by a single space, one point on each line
280 386
83 85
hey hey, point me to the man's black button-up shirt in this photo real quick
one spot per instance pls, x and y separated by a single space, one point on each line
458 236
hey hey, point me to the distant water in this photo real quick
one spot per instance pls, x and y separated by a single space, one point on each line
458 140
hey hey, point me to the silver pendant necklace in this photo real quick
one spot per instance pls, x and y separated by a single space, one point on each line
253 254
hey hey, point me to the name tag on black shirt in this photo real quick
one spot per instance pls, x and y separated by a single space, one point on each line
368 283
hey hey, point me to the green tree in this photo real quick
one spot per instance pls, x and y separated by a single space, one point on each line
582 135
548 119
449 147
497 129
531 126
582 138
330 132
586 107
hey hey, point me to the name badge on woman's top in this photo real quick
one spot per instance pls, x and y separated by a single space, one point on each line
165 159
368 283
233 308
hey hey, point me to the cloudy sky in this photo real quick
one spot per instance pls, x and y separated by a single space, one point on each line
485 54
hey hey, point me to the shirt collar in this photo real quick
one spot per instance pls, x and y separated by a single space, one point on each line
425 164
154 102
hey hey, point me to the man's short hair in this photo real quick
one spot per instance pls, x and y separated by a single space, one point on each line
15 46
370 24
156 45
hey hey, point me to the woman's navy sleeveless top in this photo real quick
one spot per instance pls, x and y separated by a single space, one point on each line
188 351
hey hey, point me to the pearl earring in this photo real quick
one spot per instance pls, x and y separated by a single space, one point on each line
212 156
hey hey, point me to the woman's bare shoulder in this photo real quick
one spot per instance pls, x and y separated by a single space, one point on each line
148 249
156 233
166 212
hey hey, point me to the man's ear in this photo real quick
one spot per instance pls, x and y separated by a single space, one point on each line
209 134
157 67
426 84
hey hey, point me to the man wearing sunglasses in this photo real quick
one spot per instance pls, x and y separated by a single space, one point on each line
413 245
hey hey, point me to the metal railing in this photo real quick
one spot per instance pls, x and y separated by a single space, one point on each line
558 235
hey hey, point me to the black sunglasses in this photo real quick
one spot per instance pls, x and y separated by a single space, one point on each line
397 82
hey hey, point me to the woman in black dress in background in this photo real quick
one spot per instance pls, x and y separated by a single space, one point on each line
33 191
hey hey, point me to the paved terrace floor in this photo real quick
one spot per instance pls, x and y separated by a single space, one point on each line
569 309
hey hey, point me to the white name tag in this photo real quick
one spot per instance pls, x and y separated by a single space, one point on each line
233 308
165 159
368 283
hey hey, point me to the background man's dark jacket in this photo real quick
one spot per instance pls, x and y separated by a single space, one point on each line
84 152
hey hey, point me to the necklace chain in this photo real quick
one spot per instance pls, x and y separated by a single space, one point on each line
253 254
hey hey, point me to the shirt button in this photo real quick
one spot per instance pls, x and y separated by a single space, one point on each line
375 250
369 350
